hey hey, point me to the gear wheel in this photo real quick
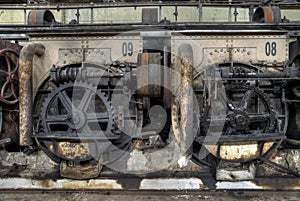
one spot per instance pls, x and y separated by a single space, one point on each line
8 77
76 111
242 117
236 109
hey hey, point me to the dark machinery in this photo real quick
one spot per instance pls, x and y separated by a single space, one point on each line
93 100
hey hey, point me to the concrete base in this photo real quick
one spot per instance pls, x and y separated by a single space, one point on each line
235 172
151 184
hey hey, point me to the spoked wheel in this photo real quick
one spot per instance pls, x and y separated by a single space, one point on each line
245 119
9 78
248 112
76 122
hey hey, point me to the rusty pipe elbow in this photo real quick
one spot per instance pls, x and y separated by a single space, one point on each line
25 90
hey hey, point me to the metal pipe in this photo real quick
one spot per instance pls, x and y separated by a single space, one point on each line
200 12
77 15
25 13
92 13
186 102
25 92
183 4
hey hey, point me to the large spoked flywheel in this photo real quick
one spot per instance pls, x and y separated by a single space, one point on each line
241 119
248 112
76 122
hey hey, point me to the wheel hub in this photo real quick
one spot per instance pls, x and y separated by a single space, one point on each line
77 119
239 119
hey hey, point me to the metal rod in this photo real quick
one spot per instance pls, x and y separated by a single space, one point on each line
235 13
251 13
240 138
200 12
176 13
25 14
77 15
92 13
285 169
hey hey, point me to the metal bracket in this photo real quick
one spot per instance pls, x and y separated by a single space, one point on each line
285 169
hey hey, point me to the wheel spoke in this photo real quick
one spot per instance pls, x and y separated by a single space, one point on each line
228 102
85 131
259 117
85 100
246 99
65 100
56 118
3 72
8 63
218 121
13 90
4 88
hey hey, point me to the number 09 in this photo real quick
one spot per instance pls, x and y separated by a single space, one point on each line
127 49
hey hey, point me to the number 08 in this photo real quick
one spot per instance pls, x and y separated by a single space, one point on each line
270 48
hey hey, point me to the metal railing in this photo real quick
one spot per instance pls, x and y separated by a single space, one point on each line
232 8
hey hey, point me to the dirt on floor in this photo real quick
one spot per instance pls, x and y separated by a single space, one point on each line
153 196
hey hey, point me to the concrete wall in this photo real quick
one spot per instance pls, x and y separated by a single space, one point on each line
134 15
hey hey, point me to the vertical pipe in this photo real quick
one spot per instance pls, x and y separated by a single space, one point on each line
25 14
251 12
229 11
176 13
200 12
235 14
159 14
25 91
77 15
92 13
187 101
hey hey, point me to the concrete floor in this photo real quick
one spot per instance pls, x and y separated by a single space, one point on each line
153 195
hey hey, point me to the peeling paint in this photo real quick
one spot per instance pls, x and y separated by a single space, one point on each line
237 185
169 184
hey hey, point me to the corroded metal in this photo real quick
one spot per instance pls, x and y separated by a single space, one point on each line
267 14
25 90
40 17
186 99
73 171
77 121
149 74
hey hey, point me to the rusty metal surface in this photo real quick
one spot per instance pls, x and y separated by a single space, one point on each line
25 90
149 74
89 170
238 151
186 99
267 14
40 17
